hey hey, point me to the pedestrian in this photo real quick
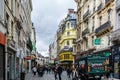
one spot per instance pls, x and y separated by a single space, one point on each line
78 71
40 71
109 73
74 74
55 73
83 73
34 70
22 75
59 69
68 72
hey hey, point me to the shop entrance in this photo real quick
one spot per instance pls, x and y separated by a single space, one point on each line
1 63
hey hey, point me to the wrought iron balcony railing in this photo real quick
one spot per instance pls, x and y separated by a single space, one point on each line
86 14
85 32
103 27
99 7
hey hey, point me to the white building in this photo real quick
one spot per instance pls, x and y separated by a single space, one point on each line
53 50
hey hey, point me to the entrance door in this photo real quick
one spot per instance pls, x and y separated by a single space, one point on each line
1 63
11 67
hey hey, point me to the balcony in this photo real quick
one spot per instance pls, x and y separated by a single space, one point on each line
103 27
85 32
115 35
86 14
99 7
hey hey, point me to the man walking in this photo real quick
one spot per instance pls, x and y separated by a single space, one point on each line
59 69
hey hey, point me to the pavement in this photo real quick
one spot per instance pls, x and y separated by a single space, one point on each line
50 76
46 76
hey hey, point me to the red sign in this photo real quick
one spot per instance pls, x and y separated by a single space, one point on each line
28 57
2 39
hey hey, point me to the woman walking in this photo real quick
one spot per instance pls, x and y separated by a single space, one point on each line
74 74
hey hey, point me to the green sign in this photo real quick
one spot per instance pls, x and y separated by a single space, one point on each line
97 41
107 54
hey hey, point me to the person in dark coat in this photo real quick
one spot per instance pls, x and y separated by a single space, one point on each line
83 73
55 73
59 69
68 72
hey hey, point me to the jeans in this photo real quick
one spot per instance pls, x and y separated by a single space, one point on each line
59 76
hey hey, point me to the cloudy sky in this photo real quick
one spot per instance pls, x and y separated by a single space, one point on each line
46 16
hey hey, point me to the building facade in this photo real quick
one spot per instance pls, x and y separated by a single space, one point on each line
53 51
33 53
68 35
115 38
95 22
17 19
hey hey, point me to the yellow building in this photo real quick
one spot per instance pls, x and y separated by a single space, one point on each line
68 35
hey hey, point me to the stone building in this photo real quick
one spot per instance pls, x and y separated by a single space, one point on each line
17 18
94 24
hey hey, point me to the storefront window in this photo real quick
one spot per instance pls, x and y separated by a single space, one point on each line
117 66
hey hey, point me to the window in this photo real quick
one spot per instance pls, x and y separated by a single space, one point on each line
7 20
68 25
108 40
92 40
118 20
109 15
12 29
100 20
93 19
88 7
94 5
86 43
68 43
87 24
68 33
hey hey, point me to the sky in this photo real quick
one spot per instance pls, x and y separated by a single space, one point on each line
46 16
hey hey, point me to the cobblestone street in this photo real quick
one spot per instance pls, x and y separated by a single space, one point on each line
46 76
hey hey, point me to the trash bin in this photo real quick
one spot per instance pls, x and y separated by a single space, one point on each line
22 76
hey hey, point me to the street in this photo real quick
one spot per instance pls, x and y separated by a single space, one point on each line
47 76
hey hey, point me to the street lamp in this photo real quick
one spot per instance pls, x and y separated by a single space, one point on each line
74 52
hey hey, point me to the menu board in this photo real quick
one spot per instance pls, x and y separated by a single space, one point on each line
116 67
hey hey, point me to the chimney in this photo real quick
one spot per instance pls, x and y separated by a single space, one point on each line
70 11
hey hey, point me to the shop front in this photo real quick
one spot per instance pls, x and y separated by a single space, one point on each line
11 60
96 64
66 59
116 58
2 56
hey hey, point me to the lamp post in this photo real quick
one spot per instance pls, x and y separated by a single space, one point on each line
74 52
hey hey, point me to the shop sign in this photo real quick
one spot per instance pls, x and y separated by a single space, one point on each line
97 41
28 57
107 54
2 39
